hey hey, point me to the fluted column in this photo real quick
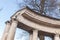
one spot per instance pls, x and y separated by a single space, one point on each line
12 29
56 37
35 35
31 36
4 37
41 37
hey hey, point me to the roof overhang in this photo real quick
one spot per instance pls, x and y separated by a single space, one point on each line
32 20
33 16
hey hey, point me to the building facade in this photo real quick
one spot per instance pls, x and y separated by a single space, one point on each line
30 21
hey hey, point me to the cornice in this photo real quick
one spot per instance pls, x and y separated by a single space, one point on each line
48 22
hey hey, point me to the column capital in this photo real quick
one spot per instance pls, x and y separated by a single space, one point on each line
57 36
14 19
57 33
7 22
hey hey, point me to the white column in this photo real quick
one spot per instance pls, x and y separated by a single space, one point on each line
35 35
12 29
41 37
4 37
56 37
31 36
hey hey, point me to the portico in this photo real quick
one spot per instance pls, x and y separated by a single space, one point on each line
36 25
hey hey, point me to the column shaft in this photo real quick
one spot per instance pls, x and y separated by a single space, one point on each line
56 37
4 37
12 30
31 36
35 35
41 37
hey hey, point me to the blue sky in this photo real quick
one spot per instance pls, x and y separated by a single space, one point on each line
9 7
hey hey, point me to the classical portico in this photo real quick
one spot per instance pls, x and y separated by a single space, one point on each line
30 21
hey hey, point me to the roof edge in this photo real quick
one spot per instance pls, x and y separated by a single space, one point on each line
26 7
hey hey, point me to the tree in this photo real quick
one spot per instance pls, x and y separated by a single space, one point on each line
36 5
41 6
45 7
50 7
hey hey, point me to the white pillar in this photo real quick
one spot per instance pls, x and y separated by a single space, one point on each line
56 37
35 35
31 36
4 37
41 37
12 29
